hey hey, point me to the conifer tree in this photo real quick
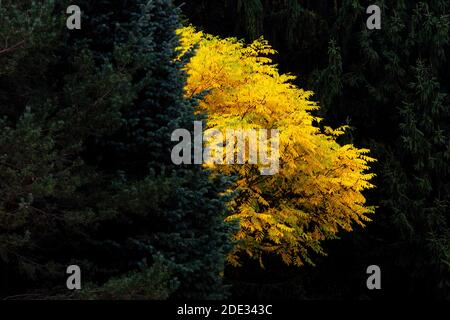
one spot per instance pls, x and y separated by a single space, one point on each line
86 176
396 97
167 210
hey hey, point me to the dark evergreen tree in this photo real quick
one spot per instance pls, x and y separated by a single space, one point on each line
86 174
162 209
394 90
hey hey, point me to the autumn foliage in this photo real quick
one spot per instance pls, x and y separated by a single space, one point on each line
319 188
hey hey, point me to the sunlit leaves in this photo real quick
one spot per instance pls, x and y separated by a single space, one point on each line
318 191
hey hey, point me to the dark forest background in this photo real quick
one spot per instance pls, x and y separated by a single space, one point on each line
391 86
85 170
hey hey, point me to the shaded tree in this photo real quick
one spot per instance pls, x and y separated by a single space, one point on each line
86 176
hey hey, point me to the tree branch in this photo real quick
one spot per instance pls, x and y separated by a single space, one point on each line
14 47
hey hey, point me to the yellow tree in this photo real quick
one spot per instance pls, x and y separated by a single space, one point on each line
318 189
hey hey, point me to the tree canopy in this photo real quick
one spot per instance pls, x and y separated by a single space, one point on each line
318 189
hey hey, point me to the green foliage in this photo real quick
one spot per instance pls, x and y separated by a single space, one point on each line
396 97
86 175
151 283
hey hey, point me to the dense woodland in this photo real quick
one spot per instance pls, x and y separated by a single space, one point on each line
86 176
